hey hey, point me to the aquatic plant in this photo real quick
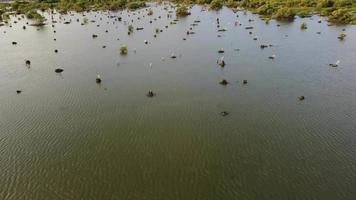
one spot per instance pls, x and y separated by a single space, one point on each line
123 50
303 26
130 28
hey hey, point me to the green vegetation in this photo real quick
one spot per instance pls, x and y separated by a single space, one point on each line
123 50
130 29
63 6
136 4
286 14
36 17
182 11
303 26
1 13
216 4
337 11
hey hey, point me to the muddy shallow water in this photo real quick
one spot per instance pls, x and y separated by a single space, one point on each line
67 137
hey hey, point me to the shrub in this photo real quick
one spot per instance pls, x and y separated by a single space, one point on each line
342 16
216 4
343 3
135 5
34 15
182 11
118 4
285 14
325 3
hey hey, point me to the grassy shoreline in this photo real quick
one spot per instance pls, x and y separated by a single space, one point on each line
337 11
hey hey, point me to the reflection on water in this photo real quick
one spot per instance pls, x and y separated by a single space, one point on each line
66 137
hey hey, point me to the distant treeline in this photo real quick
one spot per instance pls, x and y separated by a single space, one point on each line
337 11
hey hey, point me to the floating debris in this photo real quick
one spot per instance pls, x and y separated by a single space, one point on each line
18 91
301 98
28 62
244 82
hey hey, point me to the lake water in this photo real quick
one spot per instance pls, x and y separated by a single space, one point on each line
67 137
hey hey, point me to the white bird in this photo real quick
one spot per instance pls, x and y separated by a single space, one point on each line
150 65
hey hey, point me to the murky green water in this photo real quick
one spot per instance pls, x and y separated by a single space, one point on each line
66 137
